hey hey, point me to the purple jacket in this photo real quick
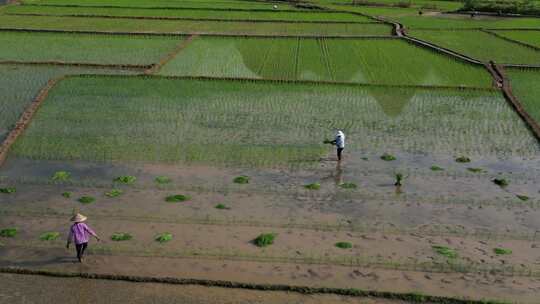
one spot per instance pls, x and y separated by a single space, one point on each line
80 233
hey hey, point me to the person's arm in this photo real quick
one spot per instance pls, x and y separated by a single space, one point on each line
70 237
89 230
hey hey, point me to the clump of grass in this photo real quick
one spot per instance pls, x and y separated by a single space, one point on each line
164 237
121 236
313 186
343 245
242 179
86 199
222 207
463 159
264 239
61 176
49 236
125 179
399 179
501 182
501 251
8 190
162 180
445 251
436 168
522 197
388 157
177 198
348 185
8 232
475 170
67 194
114 193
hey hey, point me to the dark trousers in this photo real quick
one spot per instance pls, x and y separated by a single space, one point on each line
80 250
339 152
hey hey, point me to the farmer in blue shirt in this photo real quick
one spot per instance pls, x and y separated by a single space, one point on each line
339 142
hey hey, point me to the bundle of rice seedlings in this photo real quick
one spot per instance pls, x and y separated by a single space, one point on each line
463 159
61 176
313 186
8 232
343 245
114 193
388 157
436 168
86 199
348 185
49 236
445 251
242 179
164 237
475 170
222 207
8 190
522 197
501 251
177 198
121 236
67 194
501 182
265 239
125 179
162 180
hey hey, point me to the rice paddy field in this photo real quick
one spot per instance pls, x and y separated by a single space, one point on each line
194 135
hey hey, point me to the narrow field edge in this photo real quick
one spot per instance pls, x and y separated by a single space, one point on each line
411 297
182 45
495 34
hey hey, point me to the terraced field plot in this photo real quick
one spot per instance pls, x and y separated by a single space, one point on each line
528 37
100 49
525 85
191 26
243 123
481 46
451 22
189 14
343 60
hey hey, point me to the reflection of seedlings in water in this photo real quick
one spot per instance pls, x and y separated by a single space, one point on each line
522 197
8 232
61 176
49 236
8 190
125 179
476 170
264 239
86 199
348 185
445 251
164 237
436 168
67 194
242 179
502 251
313 186
162 180
114 193
343 245
121 236
463 159
501 182
399 179
222 207
177 198
388 157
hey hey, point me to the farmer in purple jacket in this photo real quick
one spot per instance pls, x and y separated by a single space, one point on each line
79 233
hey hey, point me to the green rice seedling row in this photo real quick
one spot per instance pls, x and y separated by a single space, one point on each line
242 124
525 87
100 49
451 21
343 60
192 26
481 46
527 37
189 14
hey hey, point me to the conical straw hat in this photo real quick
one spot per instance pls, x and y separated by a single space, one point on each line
78 218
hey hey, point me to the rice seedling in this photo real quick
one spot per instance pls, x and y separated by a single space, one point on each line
86 199
162 180
164 237
67 194
436 168
222 207
243 179
8 232
61 176
313 186
264 239
525 87
114 193
522 197
121 236
126 179
527 37
399 179
177 198
501 182
502 251
49 236
348 185
343 245
8 190
463 159
445 251
388 157
476 170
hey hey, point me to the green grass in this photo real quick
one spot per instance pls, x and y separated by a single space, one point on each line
8 232
163 237
49 236
86 199
343 245
261 124
114 193
121 236
502 251
264 239
8 190
61 176
21 83
125 179
445 251
529 37
177 198
525 87
481 46
313 186
186 13
242 179
190 26
343 60
85 48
